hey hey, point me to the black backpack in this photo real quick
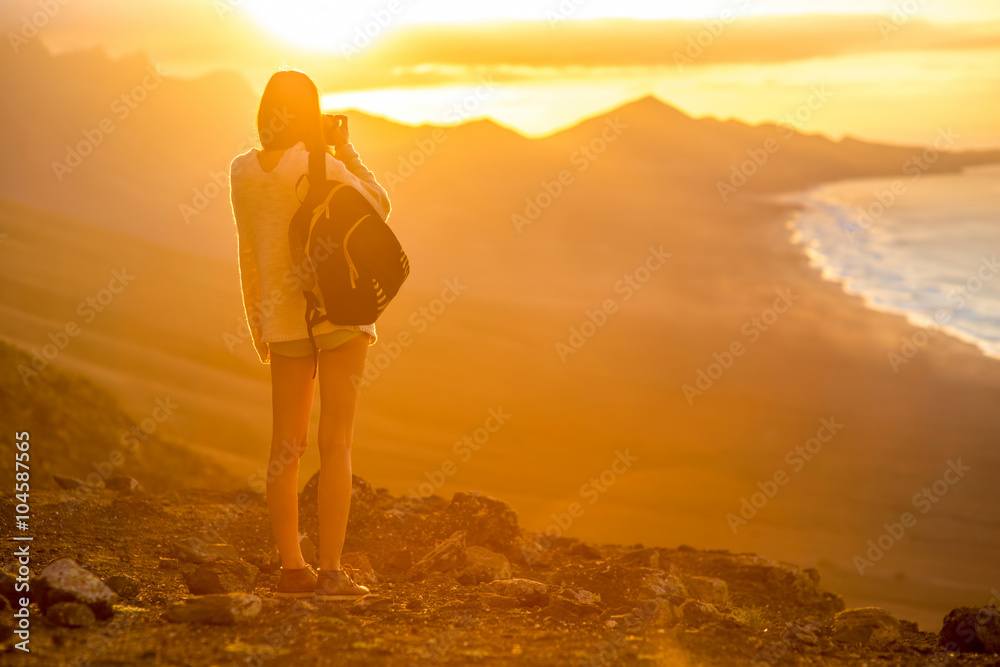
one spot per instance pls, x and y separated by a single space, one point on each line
350 262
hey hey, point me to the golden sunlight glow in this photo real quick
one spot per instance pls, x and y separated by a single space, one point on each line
531 109
544 103
309 22
559 61
318 25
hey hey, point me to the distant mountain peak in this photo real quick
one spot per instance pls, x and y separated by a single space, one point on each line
652 106
647 111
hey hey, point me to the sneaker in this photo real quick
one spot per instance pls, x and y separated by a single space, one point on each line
297 583
337 585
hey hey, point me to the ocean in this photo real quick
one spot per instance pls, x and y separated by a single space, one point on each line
924 246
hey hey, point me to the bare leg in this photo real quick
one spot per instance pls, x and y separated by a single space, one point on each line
291 401
338 403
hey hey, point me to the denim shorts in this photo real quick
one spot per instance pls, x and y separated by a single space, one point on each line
303 348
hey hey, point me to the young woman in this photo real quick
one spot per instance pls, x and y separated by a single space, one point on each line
265 197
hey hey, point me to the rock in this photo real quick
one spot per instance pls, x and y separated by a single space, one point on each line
766 582
660 613
483 565
620 584
584 550
657 583
220 577
713 591
972 630
498 602
868 626
558 611
798 633
440 583
577 601
169 563
8 589
371 604
215 609
647 557
448 555
396 515
70 483
195 550
309 553
531 550
65 581
656 613
695 613
71 614
126 586
400 560
363 497
122 483
527 592
262 560
487 522
302 606
462 607
359 568
581 595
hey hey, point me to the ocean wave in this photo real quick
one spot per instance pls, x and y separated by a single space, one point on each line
924 248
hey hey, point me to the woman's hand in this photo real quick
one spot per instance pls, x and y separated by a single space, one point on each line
335 130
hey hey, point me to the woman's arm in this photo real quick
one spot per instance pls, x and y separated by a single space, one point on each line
249 280
346 154
337 133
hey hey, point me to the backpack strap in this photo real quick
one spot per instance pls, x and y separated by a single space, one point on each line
317 175
317 168
312 307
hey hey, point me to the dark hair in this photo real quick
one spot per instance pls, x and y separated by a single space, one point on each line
290 112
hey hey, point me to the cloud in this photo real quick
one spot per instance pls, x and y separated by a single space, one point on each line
630 43
420 55
426 55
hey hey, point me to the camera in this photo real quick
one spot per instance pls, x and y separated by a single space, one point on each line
335 128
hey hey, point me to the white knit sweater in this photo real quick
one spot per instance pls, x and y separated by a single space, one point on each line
263 206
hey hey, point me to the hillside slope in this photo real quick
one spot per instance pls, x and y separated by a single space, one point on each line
78 430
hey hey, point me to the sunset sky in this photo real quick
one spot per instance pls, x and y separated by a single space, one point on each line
892 70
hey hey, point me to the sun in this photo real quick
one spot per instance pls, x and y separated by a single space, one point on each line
328 26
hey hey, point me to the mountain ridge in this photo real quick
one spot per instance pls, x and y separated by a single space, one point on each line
166 149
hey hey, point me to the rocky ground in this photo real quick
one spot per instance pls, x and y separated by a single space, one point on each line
121 576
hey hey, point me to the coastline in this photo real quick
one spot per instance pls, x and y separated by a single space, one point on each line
816 199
